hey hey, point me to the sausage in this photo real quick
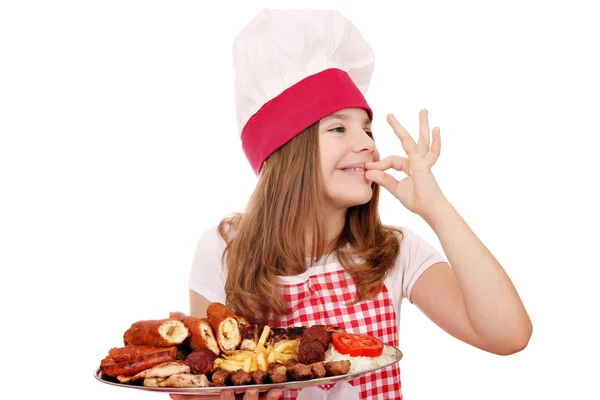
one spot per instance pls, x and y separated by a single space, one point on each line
131 367
132 352
163 333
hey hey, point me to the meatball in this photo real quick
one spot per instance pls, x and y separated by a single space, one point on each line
310 351
200 361
318 333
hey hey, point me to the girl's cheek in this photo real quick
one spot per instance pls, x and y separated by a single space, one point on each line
376 156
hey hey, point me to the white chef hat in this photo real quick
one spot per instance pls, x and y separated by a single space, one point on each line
293 68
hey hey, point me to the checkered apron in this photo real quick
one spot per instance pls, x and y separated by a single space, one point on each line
323 299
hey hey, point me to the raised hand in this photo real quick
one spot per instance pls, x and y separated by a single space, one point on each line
419 191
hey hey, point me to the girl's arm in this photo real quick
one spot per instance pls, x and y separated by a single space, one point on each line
475 300
198 305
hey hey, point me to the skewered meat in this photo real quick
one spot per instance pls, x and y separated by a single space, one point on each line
318 369
335 368
298 372
277 373
258 377
240 377
220 377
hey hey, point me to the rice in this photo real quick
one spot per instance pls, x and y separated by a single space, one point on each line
359 364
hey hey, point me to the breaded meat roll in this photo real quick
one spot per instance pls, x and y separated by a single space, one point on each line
163 333
225 326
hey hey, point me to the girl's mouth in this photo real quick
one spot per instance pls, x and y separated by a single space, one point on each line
354 171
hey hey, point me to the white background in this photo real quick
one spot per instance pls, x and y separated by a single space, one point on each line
119 146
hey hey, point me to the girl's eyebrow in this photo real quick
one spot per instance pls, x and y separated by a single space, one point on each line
366 121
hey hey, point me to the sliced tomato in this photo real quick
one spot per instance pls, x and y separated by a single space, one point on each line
357 344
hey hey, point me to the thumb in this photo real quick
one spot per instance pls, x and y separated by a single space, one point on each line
405 193
274 394
384 179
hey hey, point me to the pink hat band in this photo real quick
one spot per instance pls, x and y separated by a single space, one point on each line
295 109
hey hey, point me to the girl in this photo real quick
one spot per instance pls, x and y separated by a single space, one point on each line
310 247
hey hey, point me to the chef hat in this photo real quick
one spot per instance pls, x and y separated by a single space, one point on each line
293 68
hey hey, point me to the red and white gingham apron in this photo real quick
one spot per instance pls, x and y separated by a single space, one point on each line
323 299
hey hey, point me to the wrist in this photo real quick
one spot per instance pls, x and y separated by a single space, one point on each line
440 212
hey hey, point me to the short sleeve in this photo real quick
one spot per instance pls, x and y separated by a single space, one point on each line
416 255
207 277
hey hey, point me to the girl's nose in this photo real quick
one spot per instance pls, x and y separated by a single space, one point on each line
363 142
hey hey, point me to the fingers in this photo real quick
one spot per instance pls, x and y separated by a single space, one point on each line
383 179
436 147
251 394
408 144
423 143
274 394
227 395
426 147
396 162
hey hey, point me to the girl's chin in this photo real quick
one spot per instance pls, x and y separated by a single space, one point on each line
355 199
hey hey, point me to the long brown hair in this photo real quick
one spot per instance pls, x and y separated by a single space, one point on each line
268 239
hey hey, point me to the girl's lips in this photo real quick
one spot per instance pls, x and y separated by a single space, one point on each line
359 169
354 172
354 165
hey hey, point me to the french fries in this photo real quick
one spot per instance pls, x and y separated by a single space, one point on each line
261 356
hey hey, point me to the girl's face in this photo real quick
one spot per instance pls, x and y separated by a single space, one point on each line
345 144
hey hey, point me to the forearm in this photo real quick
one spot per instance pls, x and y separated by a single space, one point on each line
491 300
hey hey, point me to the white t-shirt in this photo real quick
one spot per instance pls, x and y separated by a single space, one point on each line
207 276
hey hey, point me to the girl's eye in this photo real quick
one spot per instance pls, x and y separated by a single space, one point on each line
370 134
339 129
